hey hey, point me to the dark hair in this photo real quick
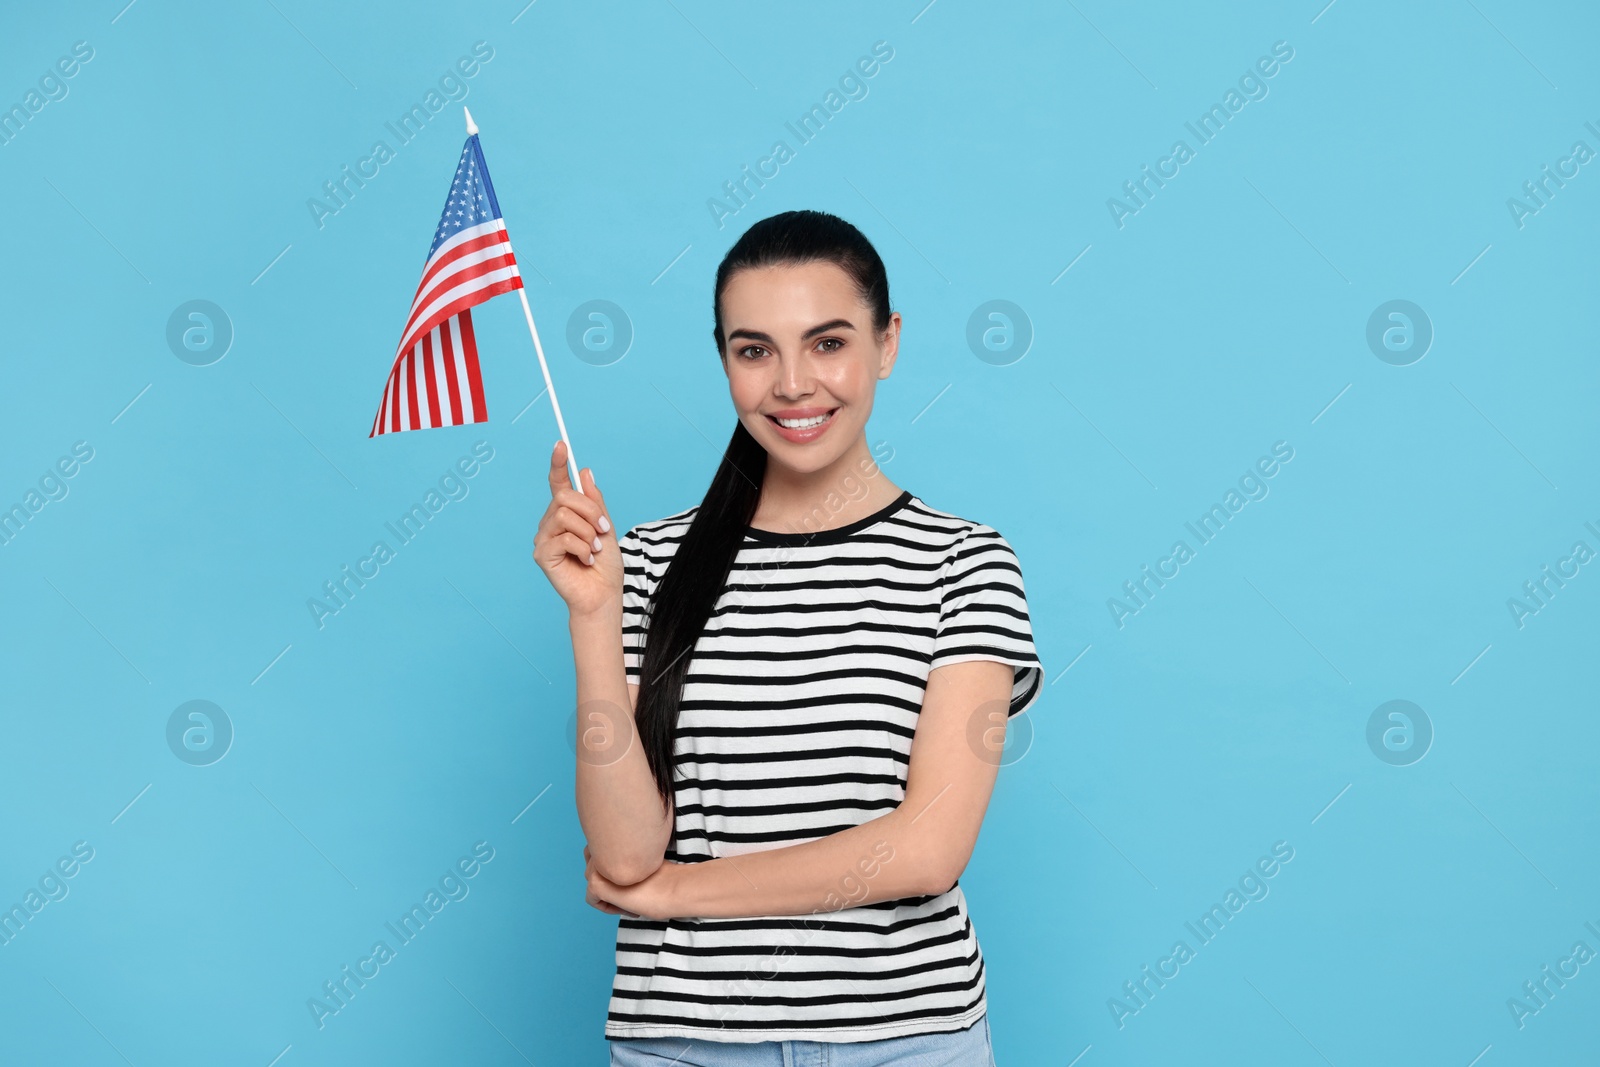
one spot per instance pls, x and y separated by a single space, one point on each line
698 571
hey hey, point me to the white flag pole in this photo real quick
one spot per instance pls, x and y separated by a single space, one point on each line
527 312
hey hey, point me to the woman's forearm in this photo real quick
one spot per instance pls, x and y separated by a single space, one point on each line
622 814
885 859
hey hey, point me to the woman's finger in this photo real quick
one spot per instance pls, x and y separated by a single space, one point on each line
580 501
582 528
583 505
573 545
594 900
558 468
592 491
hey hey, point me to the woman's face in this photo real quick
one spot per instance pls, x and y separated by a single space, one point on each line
800 345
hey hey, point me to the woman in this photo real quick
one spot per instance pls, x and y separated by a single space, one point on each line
814 723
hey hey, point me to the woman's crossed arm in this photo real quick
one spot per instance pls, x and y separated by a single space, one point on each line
918 849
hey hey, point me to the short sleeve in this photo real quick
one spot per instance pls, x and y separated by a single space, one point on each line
635 600
983 613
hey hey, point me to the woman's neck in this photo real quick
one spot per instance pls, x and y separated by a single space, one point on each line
850 488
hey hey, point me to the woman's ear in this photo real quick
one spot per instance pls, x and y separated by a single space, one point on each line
891 345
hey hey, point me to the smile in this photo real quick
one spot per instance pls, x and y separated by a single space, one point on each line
803 430
801 424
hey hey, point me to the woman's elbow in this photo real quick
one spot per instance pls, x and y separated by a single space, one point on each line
942 873
627 870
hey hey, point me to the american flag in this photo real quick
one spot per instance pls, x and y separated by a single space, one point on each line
435 379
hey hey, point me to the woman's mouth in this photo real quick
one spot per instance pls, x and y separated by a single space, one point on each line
801 431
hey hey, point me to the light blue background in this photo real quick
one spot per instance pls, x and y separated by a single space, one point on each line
1228 314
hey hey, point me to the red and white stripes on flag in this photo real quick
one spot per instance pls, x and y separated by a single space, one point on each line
435 380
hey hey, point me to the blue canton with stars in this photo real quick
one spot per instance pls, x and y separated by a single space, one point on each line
471 200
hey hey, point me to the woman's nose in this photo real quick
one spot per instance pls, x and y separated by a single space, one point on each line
794 376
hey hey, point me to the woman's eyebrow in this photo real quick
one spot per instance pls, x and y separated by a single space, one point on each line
757 335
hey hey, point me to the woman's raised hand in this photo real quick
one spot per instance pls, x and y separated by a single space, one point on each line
576 545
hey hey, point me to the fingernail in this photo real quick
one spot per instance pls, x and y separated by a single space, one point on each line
597 545
605 524
591 557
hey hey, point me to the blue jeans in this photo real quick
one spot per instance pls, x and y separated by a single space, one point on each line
964 1048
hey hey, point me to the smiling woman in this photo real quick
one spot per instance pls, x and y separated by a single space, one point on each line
771 705
832 364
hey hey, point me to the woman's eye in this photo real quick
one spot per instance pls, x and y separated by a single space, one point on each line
831 341
749 349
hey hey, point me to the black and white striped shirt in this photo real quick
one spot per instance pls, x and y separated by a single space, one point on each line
796 722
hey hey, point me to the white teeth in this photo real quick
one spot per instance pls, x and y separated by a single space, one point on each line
803 424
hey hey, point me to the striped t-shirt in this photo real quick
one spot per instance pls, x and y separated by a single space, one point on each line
796 722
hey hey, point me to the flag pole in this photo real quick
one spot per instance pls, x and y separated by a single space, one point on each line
527 312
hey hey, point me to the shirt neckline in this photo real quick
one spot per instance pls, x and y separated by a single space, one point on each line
828 537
